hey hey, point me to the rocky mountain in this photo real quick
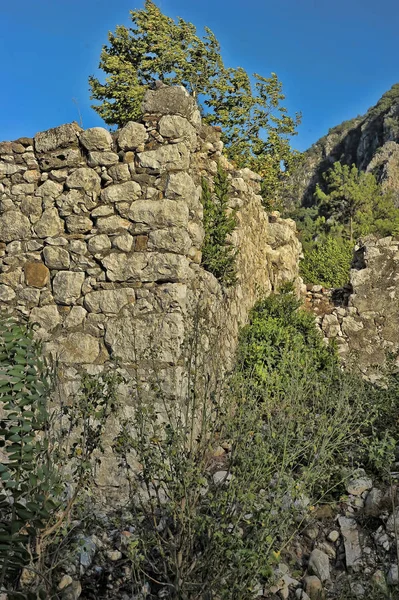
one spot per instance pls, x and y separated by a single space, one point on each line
371 142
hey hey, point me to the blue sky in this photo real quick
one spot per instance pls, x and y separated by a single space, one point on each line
335 59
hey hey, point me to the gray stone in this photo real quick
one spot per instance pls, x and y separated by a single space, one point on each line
166 158
120 173
393 519
172 101
353 551
84 179
131 136
49 224
99 243
109 301
319 564
102 159
393 575
333 536
123 192
67 286
180 184
7 294
146 267
32 208
313 588
14 226
373 502
78 224
159 214
72 591
70 158
174 126
79 348
47 317
23 189
359 483
50 189
56 257
58 137
102 211
173 239
123 242
75 317
112 224
96 138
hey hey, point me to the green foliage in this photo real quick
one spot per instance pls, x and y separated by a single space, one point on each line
289 419
328 262
218 254
29 492
256 126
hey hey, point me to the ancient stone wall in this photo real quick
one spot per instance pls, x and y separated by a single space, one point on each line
101 239
364 318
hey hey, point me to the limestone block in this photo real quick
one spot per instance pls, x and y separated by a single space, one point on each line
75 317
172 101
78 348
102 159
166 158
96 138
109 301
111 224
120 173
49 224
70 157
56 257
131 136
7 294
141 266
176 127
122 192
22 189
36 274
67 286
49 188
123 242
58 137
14 226
78 224
84 179
159 214
47 317
99 243
172 239
180 184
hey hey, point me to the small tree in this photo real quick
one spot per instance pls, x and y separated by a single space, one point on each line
218 254
256 126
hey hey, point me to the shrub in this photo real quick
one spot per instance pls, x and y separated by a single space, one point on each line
328 262
225 480
218 254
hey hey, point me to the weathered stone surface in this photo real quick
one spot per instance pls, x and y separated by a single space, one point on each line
14 226
159 214
359 483
109 301
69 157
123 242
59 137
176 127
180 184
7 294
47 317
78 224
353 551
166 158
112 224
130 338
172 101
146 267
123 192
49 189
78 348
75 317
172 239
96 138
22 189
131 136
56 257
319 564
120 173
99 243
49 224
102 159
36 274
84 179
67 286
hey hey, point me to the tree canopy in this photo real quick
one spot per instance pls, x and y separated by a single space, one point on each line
256 126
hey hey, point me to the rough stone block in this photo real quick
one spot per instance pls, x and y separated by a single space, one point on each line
36 274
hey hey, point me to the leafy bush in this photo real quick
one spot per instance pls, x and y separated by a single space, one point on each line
225 480
328 263
218 254
29 488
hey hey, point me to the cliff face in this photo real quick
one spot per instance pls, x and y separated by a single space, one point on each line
371 142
